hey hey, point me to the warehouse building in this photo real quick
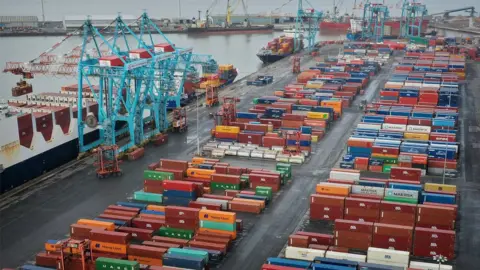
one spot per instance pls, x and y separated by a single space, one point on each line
9 22
74 22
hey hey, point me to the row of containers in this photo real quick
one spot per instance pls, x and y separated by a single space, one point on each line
384 224
412 125
308 106
185 216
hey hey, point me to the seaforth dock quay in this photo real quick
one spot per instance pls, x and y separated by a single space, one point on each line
347 154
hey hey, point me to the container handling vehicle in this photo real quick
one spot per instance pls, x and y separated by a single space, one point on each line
180 120
107 162
211 95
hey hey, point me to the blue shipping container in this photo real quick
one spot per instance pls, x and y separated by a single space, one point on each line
179 193
213 255
405 186
178 201
152 212
141 206
118 223
437 198
288 263
183 261
321 266
34 267
374 266
347 263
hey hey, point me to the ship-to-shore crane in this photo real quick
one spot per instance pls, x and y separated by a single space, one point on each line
307 20
413 14
373 22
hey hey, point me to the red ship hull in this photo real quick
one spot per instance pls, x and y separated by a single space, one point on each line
344 26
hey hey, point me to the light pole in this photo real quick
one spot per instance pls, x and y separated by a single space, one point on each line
43 13
198 139
179 9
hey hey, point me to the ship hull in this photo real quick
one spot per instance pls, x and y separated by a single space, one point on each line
271 58
38 165
233 30
344 26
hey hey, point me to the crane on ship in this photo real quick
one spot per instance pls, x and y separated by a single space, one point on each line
373 22
413 14
307 21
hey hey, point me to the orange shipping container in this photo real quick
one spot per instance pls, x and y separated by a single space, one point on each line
109 226
233 235
146 261
329 189
108 247
217 216
158 208
255 202
200 173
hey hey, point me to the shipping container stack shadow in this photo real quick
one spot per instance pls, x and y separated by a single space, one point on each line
189 215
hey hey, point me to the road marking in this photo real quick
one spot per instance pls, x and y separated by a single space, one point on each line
473 129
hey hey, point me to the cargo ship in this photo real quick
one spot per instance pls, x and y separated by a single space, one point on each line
40 133
280 48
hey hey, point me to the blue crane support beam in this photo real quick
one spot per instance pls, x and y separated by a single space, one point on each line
307 20
373 22
412 19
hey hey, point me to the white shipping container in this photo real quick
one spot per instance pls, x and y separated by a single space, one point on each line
429 266
361 139
224 203
304 254
387 30
395 83
257 154
369 126
421 129
344 175
105 63
243 153
358 189
388 256
345 256
231 152
395 127
401 265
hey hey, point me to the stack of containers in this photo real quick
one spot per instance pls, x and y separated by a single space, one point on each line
179 193
396 237
225 181
218 222
185 218
353 234
228 133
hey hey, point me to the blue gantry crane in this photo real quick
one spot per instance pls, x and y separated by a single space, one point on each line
413 14
135 82
373 22
308 21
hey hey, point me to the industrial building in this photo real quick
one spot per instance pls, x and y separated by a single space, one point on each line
74 22
8 22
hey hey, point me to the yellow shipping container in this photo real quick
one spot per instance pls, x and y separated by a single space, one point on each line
200 173
158 208
416 136
384 155
336 105
440 187
314 138
217 216
108 247
198 160
317 115
314 85
227 129
225 67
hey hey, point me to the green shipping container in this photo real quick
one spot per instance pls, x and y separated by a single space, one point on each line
147 197
154 175
285 167
387 168
255 101
244 178
107 263
401 200
223 186
388 160
176 233
231 227
189 253
419 40
264 191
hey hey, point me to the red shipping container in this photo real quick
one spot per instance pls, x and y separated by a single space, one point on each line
401 120
137 233
446 237
407 100
153 166
220 169
161 244
174 164
212 234
293 117
321 212
152 224
443 137
225 178
110 237
81 232
123 208
236 206
276 123
353 240
269 141
327 200
171 240
409 174
425 250
146 251
398 207
205 205
362 215
178 185
392 242
338 249
420 121
178 174
362 203
439 210
128 220
238 124
206 245
247 192
318 247
181 212
298 241
317 238
218 197
152 216
231 193
282 105
236 170
264 178
397 218
292 123
47 260
225 135
257 127
353 226
385 150
366 196
182 223
276 267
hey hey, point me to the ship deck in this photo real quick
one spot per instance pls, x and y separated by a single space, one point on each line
45 209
